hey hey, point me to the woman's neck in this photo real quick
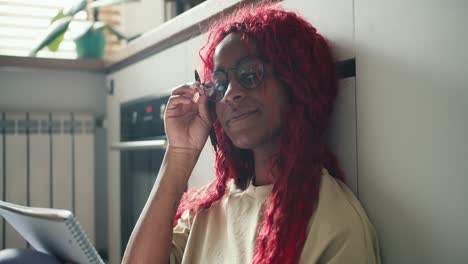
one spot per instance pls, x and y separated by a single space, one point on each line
262 162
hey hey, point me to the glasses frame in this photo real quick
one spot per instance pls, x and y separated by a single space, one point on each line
210 85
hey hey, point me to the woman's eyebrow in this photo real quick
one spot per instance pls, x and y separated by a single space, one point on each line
217 68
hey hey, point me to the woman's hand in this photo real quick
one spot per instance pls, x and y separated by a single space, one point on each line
187 125
187 121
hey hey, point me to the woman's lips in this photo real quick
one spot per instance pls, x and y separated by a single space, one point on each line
241 116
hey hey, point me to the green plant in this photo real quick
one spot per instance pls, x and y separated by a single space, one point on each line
90 41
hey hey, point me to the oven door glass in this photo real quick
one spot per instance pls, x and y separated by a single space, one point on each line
138 171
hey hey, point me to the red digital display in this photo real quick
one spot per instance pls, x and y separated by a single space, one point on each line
149 109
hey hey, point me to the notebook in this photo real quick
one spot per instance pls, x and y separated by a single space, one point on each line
52 231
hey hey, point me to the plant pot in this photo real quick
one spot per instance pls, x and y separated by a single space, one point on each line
91 44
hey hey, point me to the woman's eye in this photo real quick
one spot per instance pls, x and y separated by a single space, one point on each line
220 86
250 76
218 83
250 79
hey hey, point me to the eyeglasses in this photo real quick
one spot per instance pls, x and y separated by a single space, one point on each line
250 73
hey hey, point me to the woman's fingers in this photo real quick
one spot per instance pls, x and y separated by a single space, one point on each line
186 89
176 100
186 100
186 120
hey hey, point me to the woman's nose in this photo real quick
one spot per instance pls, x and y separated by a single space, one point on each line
234 92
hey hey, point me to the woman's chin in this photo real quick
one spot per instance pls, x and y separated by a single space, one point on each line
248 140
255 139
243 142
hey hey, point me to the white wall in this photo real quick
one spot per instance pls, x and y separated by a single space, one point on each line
51 90
63 91
412 106
334 19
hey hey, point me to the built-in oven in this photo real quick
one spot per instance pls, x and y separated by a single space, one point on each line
142 146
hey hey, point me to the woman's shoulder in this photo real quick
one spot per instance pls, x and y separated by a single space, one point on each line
340 224
338 205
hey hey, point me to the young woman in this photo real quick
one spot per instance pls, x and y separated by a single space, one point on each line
268 87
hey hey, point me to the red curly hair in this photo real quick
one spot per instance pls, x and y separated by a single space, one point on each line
303 63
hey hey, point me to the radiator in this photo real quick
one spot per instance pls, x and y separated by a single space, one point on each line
47 160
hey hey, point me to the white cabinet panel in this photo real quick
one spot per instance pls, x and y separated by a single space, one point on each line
412 125
192 57
154 75
113 165
334 19
114 228
204 172
342 131
15 173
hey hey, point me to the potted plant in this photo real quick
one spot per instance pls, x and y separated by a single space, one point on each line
90 40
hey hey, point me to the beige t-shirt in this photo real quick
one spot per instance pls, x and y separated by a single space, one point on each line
338 232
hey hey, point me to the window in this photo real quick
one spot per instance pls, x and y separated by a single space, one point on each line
22 22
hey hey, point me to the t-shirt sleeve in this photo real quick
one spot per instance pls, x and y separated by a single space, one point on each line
179 237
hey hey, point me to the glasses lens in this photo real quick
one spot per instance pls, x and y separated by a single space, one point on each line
215 91
219 77
250 73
